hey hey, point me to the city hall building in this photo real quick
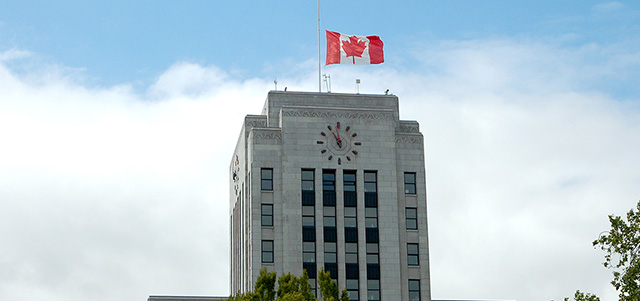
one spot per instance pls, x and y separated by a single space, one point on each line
333 181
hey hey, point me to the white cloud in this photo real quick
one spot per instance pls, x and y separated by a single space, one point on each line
112 195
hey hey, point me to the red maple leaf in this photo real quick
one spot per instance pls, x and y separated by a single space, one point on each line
354 47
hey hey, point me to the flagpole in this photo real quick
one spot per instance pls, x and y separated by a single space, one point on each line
319 63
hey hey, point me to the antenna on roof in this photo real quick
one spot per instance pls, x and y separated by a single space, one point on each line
275 82
327 81
357 86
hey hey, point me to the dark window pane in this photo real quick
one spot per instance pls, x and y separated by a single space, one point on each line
351 235
332 268
329 198
370 199
350 199
372 235
330 234
373 271
308 234
311 269
351 271
308 198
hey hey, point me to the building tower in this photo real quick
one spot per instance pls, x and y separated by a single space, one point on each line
335 181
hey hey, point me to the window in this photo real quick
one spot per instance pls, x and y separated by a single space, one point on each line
308 187
308 180
329 187
370 181
267 215
413 257
331 259
267 251
350 195
410 182
266 179
414 289
373 289
352 289
328 180
412 218
370 189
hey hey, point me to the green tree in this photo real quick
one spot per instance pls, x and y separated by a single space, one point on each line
293 288
290 288
622 244
329 288
579 296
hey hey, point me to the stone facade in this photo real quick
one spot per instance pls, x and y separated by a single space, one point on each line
361 214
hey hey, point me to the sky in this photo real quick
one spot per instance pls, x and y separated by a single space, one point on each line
118 121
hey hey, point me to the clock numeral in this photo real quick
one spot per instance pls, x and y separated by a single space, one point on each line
348 158
357 143
347 129
354 152
354 134
330 157
323 151
339 161
320 142
329 127
323 134
338 125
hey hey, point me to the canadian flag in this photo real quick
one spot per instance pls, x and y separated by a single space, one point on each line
355 50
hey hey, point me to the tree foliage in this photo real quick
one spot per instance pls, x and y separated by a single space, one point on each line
329 288
621 245
291 288
579 296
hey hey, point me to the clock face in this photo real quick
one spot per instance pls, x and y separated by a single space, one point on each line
339 143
